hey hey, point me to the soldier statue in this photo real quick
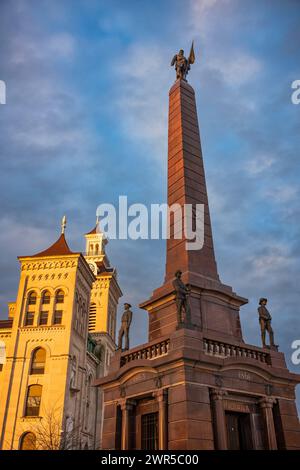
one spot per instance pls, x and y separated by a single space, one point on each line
265 322
182 299
125 325
183 65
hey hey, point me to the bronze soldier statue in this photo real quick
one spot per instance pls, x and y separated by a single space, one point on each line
265 322
183 65
182 300
125 325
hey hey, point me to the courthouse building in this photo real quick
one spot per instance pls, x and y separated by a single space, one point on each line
197 385
59 337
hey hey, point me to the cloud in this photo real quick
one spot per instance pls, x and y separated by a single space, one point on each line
141 96
283 194
259 163
26 49
273 259
62 44
203 12
236 70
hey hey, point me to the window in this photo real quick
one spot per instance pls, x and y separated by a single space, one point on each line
57 319
46 298
92 317
38 361
43 318
28 441
150 431
32 298
83 319
33 401
2 353
96 249
29 319
73 373
59 297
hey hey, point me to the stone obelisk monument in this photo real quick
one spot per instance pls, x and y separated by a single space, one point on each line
195 384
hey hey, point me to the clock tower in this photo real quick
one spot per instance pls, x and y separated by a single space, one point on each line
106 291
95 249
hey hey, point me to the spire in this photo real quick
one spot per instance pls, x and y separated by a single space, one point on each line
63 224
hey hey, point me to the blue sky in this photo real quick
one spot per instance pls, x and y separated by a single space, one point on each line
86 121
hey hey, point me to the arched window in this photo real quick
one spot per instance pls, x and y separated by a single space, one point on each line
91 248
28 441
31 305
32 298
38 361
58 313
59 297
33 401
96 249
46 297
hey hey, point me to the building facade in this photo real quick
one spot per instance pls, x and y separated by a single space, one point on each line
54 345
196 385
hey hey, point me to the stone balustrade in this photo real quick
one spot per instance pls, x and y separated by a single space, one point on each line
149 352
224 350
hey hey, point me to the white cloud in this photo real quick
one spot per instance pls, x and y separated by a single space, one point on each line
275 259
28 50
259 163
141 95
236 70
203 14
62 44
23 240
283 194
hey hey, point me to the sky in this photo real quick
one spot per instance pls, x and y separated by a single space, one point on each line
86 121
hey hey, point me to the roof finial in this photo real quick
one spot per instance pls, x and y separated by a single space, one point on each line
63 224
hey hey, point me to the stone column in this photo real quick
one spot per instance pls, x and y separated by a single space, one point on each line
266 405
162 399
126 407
219 418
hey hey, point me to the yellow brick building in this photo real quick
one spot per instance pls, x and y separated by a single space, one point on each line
59 337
